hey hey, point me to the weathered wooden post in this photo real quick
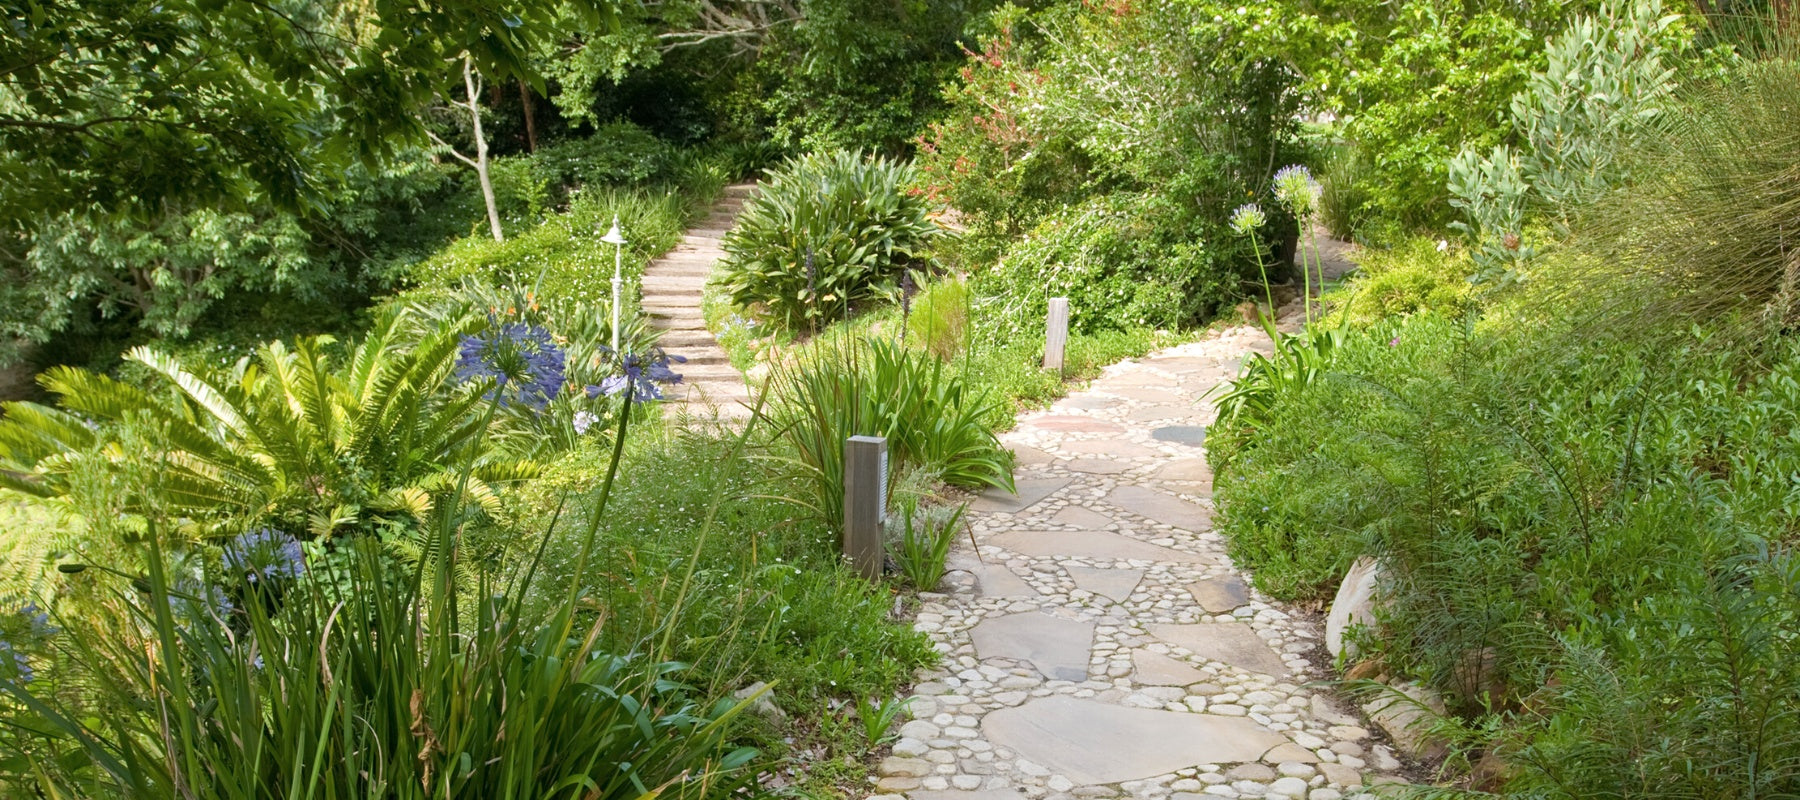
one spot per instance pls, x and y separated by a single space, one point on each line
1056 335
865 503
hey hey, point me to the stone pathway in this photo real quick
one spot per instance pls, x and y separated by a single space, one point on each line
672 289
1103 644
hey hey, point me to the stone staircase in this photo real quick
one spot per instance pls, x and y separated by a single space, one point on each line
710 387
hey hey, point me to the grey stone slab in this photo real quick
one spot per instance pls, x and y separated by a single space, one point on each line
1185 470
1193 435
1095 743
1156 669
1091 544
998 580
1233 643
1073 424
1108 447
1031 490
979 794
1162 507
1145 394
1106 581
1092 465
1220 595
1182 365
1162 413
1088 402
1057 647
1028 456
1083 517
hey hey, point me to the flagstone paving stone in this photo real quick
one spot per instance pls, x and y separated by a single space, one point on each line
1233 643
1161 507
1192 435
1030 491
1058 647
1103 645
1095 743
1100 546
1098 466
1220 595
1082 517
1113 583
1155 669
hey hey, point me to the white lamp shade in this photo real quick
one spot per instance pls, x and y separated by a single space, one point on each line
613 236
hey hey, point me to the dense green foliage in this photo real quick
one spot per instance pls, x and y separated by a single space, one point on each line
1096 150
1582 503
824 235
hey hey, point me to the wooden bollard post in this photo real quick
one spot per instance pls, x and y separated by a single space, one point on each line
1056 334
865 503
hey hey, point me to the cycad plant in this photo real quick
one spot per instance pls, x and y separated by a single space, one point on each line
265 675
291 438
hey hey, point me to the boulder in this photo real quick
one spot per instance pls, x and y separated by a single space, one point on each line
1354 605
1404 710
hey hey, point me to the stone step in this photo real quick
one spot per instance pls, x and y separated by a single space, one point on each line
681 284
697 260
698 272
689 339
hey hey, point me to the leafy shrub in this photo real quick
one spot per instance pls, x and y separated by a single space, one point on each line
1417 275
617 154
1114 192
930 416
1605 83
562 257
1122 260
1417 81
1571 514
824 233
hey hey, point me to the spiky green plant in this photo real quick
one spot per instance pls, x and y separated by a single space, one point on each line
929 414
825 233
292 438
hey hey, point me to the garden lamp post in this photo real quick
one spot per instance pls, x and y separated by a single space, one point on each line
617 240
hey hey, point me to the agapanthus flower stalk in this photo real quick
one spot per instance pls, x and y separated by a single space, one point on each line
522 360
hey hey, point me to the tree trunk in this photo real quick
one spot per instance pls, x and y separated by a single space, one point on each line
481 150
530 122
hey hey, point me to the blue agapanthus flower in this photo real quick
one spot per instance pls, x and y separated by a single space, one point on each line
641 374
31 625
523 362
1248 218
264 556
1295 188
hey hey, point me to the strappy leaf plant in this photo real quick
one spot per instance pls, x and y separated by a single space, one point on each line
824 233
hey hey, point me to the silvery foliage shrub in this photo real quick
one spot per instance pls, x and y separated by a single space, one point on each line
1605 80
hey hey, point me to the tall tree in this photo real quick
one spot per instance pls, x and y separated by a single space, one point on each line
133 110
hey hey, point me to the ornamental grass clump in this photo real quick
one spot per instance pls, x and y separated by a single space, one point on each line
932 418
826 233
